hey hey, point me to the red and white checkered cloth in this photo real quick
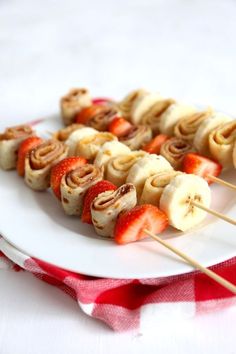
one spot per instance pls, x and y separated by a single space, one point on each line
131 304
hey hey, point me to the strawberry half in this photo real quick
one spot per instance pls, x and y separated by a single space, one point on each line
202 166
26 145
119 127
154 146
87 113
131 224
60 169
92 193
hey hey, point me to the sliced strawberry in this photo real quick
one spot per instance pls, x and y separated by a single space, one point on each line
102 101
131 224
202 166
87 113
26 145
61 168
92 193
154 146
119 127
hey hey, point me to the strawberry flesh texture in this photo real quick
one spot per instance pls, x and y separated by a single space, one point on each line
154 146
25 147
120 127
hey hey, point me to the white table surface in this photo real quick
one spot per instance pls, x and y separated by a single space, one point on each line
185 49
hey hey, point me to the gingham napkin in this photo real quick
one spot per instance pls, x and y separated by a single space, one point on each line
131 304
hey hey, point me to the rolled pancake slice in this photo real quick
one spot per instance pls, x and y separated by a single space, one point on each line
145 167
221 143
39 162
172 115
10 141
100 120
73 103
108 205
155 185
118 167
187 127
152 116
63 134
76 136
138 136
75 184
174 150
88 147
142 105
109 150
201 139
125 106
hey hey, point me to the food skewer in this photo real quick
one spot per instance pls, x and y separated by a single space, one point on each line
222 182
223 282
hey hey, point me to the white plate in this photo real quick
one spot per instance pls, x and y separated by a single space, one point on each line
36 224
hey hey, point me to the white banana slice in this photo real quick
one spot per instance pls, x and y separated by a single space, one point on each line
221 143
142 105
201 140
109 150
89 146
155 185
146 167
177 197
76 136
172 115
118 167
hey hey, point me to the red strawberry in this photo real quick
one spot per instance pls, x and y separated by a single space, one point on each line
154 146
61 168
201 166
92 193
131 224
26 145
119 127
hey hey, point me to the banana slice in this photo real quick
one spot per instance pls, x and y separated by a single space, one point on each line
76 136
176 201
109 150
221 143
119 166
201 139
63 134
186 128
89 146
155 185
146 167
125 106
142 105
172 115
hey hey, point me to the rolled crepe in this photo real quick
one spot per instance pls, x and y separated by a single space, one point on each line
39 162
118 167
88 147
75 184
155 185
201 140
142 105
221 143
109 150
145 167
152 116
125 106
174 150
73 103
76 136
10 141
172 115
187 127
137 137
108 205
63 134
234 154
101 119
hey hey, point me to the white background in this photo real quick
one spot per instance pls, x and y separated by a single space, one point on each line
185 49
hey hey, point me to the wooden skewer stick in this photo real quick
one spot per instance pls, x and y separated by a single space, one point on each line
213 212
222 182
225 283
